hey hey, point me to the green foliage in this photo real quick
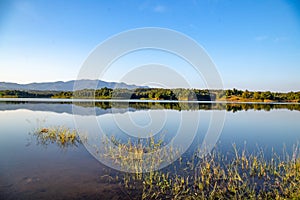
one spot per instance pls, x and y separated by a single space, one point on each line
159 94
26 94
239 95
140 93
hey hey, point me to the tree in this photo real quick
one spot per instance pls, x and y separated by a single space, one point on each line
246 94
256 95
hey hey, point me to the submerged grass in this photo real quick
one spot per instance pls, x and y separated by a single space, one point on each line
236 175
136 157
216 176
60 135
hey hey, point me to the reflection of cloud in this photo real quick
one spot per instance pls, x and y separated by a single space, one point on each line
261 38
159 8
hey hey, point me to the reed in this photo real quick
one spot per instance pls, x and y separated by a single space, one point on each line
59 135
236 174
136 157
217 176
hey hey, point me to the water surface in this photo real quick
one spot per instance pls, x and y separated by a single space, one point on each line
29 170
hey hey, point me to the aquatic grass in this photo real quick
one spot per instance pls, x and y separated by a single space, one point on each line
60 135
136 156
237 174
217 176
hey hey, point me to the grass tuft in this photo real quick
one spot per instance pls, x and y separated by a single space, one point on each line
60 135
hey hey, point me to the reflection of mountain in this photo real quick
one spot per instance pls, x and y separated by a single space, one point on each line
54 107
63 107
49 107
100 108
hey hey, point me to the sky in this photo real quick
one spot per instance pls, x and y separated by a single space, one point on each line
254 44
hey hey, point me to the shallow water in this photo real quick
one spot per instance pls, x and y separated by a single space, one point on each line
29 170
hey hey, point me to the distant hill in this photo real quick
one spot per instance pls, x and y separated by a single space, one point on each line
66 86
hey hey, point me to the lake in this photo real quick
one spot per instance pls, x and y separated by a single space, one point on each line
34 169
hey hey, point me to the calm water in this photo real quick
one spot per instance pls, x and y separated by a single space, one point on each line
29 170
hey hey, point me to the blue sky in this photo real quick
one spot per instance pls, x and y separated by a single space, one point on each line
254 44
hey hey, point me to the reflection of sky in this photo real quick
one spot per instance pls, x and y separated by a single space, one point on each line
33 168
141 123
272 129
17 124
256 127
265 129
20 156
144 123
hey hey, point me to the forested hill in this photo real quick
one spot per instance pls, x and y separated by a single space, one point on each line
160 94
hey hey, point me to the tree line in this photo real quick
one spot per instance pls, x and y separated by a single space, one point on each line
141 93
235 94
160 94
26 94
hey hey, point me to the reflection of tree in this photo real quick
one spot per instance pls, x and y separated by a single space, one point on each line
234 107
260 106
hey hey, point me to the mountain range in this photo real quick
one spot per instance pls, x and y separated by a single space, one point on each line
66 86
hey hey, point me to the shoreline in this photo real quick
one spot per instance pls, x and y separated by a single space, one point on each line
70 100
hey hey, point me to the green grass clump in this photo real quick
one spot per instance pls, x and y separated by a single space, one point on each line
236 174
136 157
60 135
239 176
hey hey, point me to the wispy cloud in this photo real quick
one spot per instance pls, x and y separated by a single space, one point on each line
27 9
148 5
280 39
159 8
272 39
261 38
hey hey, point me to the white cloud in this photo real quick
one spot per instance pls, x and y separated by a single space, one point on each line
261 38
27 9
273 39
150 6
280 39
159 8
